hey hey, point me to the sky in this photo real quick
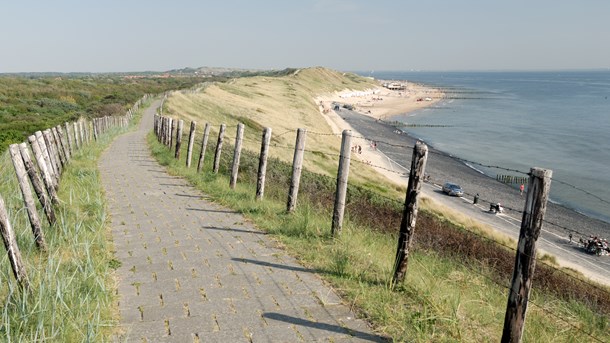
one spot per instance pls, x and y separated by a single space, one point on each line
350 35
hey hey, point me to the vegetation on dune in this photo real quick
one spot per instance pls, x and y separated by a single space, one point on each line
71 297
31 104
456 289
456 284
284 103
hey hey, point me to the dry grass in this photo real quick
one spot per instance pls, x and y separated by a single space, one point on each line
283 103
286 103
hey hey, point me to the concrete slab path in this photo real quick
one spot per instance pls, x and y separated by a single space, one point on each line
193 271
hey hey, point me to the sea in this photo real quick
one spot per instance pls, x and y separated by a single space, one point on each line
558 120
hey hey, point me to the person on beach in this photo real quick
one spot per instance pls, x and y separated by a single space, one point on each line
521 189
476 199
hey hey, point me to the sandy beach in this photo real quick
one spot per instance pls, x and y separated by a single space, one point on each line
381 103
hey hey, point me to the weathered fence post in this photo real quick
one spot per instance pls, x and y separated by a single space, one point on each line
409 215
77 142
96 133
62 138
45 154
44 200
189 149
69 138
179 138
162 130
525 261
52 154
44 168
297 166
204 145
221 134
342 177
156 124
168 133
10 243
172 128
59 146
262 164
28 199
81 129
236 155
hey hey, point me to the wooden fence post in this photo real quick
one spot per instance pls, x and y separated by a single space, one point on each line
409 215
236 155
155 124
297 166
44 169
91 133
59 146
46 134
525 261
172 128
81 130
162 130
168 132
96 133
342 177
204 145
179 138
69 138
64 141
45 154
189 150
10 243
262 164
44 200
221 134
77 143
28 199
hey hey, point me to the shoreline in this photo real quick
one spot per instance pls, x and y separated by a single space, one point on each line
442 167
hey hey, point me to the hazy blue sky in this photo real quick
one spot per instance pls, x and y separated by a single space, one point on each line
131 35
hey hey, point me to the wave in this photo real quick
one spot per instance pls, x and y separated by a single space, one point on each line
475 169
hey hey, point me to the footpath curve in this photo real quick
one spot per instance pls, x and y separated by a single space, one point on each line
193 271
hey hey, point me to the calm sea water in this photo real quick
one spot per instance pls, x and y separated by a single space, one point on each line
518 120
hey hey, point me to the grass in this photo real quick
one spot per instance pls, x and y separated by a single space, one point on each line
452 291
71 297
457 277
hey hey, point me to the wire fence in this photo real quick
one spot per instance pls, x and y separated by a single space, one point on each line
601 291
400 173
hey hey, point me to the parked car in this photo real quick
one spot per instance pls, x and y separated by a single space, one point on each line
453 189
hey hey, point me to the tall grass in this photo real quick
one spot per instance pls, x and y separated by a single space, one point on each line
452 290
72 289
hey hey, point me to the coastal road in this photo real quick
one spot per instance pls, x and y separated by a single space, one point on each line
553 240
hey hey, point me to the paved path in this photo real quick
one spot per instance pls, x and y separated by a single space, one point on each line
193 271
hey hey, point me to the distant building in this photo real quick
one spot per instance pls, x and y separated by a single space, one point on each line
395 86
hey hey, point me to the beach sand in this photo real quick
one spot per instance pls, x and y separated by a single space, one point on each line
387 159
381 103
378 103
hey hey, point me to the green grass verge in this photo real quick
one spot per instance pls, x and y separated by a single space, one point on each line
451 292
71 297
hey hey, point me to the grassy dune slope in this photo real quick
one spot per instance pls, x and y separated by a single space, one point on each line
455 285
282 103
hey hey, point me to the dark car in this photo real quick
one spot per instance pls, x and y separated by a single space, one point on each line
453 189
